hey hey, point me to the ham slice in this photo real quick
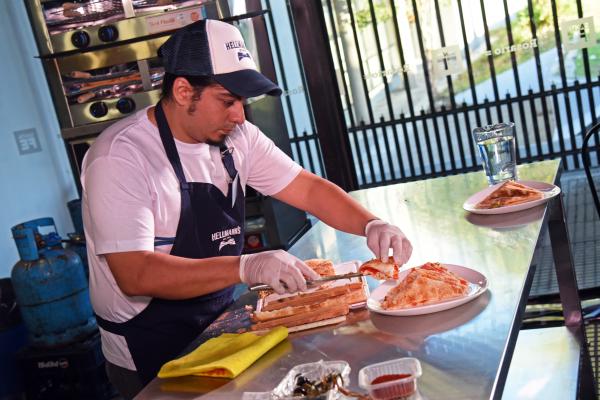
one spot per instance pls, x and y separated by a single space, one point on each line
427 284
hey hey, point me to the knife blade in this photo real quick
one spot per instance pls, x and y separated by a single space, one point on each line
315 282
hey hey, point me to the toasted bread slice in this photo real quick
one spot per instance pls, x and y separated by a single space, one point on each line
321 266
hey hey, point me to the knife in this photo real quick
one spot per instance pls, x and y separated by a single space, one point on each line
315 282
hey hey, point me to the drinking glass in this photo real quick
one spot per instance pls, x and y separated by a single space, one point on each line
497 149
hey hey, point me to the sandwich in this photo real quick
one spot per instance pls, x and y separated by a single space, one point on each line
427 284
380 269
509 193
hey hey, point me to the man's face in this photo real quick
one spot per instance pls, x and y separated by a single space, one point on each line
214 116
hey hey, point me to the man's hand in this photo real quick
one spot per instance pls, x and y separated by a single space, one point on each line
276 268
382 236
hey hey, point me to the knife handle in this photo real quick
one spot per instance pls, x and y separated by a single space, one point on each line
257 288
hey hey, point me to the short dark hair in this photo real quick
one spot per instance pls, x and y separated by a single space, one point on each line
199 83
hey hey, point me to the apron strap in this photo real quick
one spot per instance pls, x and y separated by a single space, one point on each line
171 149
169 144
118 328
227 158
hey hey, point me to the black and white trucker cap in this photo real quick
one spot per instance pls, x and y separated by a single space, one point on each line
216 49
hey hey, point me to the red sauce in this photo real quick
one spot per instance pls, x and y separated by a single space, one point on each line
388 378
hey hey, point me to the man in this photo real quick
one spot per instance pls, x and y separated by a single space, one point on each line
163 201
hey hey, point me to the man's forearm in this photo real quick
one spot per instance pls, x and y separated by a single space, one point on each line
146 273
326 201
337 209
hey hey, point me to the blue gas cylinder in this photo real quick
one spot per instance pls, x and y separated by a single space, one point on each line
50 287
76 240
76 243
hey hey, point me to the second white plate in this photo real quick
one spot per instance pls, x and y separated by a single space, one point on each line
549 190
478 284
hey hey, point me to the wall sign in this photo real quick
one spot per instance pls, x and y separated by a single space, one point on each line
578 33
447 61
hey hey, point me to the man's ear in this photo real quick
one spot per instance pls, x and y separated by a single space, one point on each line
182 92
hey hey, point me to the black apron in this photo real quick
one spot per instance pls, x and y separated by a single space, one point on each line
210 224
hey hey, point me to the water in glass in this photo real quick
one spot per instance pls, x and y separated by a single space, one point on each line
497 149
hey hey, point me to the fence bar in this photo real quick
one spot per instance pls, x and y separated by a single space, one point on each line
282 75
488 44
511 116
468 59
580 111
408 91
429 148
411 163
395 136
340 63
297 147
586 68
561 140
428 83
379 155
360 63
306 145
365 138
406 80
449 141
388 152
443 43
536 129
563 75
538 68
470 139
513 62
302 76
388 96
386 85
358 159
450 94
417 139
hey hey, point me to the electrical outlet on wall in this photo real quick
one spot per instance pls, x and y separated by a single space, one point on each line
27 141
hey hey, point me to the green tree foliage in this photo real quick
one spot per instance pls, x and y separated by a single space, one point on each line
363 16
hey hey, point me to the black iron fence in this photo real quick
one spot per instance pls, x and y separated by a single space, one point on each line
416 76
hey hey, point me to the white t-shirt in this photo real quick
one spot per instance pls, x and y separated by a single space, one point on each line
131 195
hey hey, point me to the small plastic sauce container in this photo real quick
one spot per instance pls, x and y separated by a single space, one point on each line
394 379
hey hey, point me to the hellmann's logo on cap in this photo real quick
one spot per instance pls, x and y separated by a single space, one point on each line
235 44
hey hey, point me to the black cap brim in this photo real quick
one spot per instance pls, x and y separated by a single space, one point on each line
247 83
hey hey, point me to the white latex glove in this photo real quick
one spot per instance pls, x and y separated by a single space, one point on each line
276 268
382 236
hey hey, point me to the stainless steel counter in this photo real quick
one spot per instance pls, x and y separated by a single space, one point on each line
465 352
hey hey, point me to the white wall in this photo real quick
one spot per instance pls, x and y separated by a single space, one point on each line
38 184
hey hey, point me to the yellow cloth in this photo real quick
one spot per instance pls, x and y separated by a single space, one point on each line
225 356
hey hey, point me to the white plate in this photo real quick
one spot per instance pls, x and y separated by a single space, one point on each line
477 285
343 268
549 191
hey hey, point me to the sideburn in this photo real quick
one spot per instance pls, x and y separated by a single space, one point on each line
195 98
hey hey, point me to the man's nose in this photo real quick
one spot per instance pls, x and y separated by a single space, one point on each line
237 112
